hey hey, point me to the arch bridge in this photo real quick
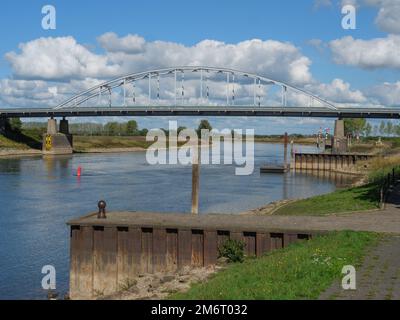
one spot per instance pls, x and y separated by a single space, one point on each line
197 91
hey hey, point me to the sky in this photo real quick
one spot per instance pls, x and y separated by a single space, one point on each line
298 42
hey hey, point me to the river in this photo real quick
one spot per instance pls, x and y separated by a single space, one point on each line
39 195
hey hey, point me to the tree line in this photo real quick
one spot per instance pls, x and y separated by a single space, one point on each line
361 127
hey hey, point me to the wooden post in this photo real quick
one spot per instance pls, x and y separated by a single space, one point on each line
195 182
286 140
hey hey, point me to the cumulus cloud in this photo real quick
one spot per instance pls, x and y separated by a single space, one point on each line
129 44
368 54
64 58
338 91
58 58
387 94
388 14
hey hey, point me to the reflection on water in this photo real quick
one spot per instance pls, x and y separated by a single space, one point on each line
38 195
341 180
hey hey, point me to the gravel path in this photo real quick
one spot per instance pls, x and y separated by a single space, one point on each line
377 279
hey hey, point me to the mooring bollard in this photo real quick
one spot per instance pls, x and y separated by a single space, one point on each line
102 210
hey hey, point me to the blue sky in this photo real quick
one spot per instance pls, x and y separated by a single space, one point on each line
302 24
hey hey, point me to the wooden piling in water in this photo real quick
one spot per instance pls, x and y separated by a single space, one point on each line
195 183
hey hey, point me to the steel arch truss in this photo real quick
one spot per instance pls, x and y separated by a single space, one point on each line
230 76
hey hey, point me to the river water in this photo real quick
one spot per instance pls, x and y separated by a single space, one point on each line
39 195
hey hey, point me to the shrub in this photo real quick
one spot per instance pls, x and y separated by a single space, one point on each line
232 250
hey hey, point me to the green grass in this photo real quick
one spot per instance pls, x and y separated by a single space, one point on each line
83 143
23 140
348 200
6 143
300 271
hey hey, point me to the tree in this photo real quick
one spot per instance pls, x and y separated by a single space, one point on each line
354 126
389 128
15 124
376 130
382 127
368 129
204 124
112 128
132 127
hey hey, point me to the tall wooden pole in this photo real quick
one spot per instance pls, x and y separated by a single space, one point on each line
195 182
286 141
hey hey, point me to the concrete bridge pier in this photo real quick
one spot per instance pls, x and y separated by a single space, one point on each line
57 143
339 143
3 122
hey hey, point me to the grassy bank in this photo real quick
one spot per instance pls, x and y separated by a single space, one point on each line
86 143
279 139
353 199
23 140
300 271
362 198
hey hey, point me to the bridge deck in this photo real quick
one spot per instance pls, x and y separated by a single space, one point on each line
220 111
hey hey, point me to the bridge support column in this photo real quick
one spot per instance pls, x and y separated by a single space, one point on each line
3 122
339 144
57 143
64 126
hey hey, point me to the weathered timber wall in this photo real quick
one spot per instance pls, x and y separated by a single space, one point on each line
327 162
104 257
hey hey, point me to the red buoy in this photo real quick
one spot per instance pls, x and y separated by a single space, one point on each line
79 172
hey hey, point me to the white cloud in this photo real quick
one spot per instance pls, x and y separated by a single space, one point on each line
64 59
338 91
387 94
368 54
388 14
58 58
128 44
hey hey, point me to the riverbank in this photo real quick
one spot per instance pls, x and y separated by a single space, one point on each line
301 271
364 196
279 139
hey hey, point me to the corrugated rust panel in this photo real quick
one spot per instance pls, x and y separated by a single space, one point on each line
289 238
210 248
104 261
124 256
276 241
263 244
135 246
197 248
81 273
238 236
250 243
184 248
146 261
159 249
172 249
222 236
